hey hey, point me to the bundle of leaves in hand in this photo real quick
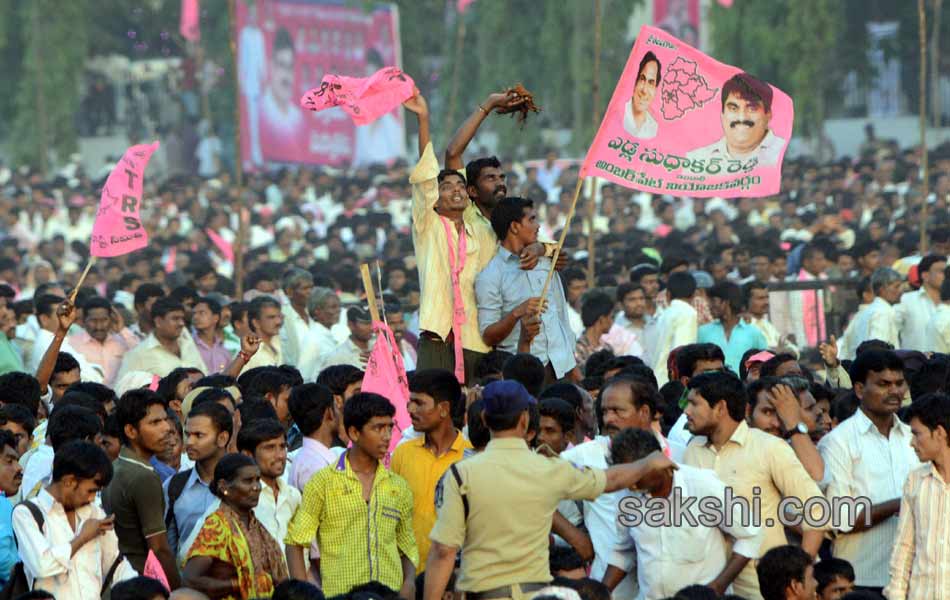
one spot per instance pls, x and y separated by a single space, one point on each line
521 108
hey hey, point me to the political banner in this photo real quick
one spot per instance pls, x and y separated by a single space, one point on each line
118 227
365 99
286 47
683 124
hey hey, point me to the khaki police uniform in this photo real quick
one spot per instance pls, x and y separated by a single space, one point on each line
512 494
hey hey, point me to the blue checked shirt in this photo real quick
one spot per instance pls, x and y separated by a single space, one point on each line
503 285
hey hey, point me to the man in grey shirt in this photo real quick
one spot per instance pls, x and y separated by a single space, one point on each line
506 294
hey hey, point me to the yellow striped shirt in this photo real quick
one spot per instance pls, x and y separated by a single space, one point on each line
359 541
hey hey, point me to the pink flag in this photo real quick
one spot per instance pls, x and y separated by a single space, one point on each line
365 99
155 381
725 3
462 5
153 569
189 20
683 124
118 228
386 375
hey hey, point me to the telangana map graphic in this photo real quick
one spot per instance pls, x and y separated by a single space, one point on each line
684 89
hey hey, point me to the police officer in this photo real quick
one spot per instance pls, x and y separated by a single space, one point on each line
497 506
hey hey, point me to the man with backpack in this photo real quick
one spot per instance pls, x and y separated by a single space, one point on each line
65 540
187 495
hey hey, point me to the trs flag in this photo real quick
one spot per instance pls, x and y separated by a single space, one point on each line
462 5
189 21
153 569
365 99
386 376
683 124
118 228
725 3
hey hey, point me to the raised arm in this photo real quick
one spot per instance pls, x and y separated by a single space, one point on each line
66 316
417 104
465 133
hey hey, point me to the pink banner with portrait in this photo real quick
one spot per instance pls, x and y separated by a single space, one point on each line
683 124
286 47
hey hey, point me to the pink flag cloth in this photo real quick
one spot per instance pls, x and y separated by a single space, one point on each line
153 569
681 123
189 20
221 244
155 381
456 265
725 3
462 5
118 228
365 99
386 376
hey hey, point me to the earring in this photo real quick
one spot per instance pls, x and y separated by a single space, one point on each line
225 492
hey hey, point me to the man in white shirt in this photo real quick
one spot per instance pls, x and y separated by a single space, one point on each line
746 113
869 456
879 320
757 305
162 350
632 317
65 540
266 319
45 309
917 309
324 309
296 339
678 324
355 350
688 551
627 402
266 442
637 120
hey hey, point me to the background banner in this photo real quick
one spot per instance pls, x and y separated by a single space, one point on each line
684 124
284 48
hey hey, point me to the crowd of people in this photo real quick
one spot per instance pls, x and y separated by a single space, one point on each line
190 420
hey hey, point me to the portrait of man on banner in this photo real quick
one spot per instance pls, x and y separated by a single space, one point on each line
746 114
637 120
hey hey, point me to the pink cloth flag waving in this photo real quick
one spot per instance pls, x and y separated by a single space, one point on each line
118 228
365 99
386 376
153 569
189 20
683 124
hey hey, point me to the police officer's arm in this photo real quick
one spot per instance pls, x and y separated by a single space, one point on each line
439 567
621 477
573 535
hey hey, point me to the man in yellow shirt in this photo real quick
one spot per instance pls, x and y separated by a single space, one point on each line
436 404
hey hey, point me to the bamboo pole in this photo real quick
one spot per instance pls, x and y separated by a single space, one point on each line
82 278
370 294
595 113
560 243
456 70
925 171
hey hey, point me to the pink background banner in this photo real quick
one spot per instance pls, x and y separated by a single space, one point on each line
118 228
687 125
365 99
286 47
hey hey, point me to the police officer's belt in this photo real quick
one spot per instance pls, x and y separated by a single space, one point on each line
505 591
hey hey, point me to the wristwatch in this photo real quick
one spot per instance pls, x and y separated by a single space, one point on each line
800 428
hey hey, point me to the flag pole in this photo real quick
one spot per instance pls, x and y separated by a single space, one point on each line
82 278
560 243
370 294
595 99
925 171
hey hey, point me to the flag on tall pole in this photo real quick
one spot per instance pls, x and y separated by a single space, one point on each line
190 14
118 227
